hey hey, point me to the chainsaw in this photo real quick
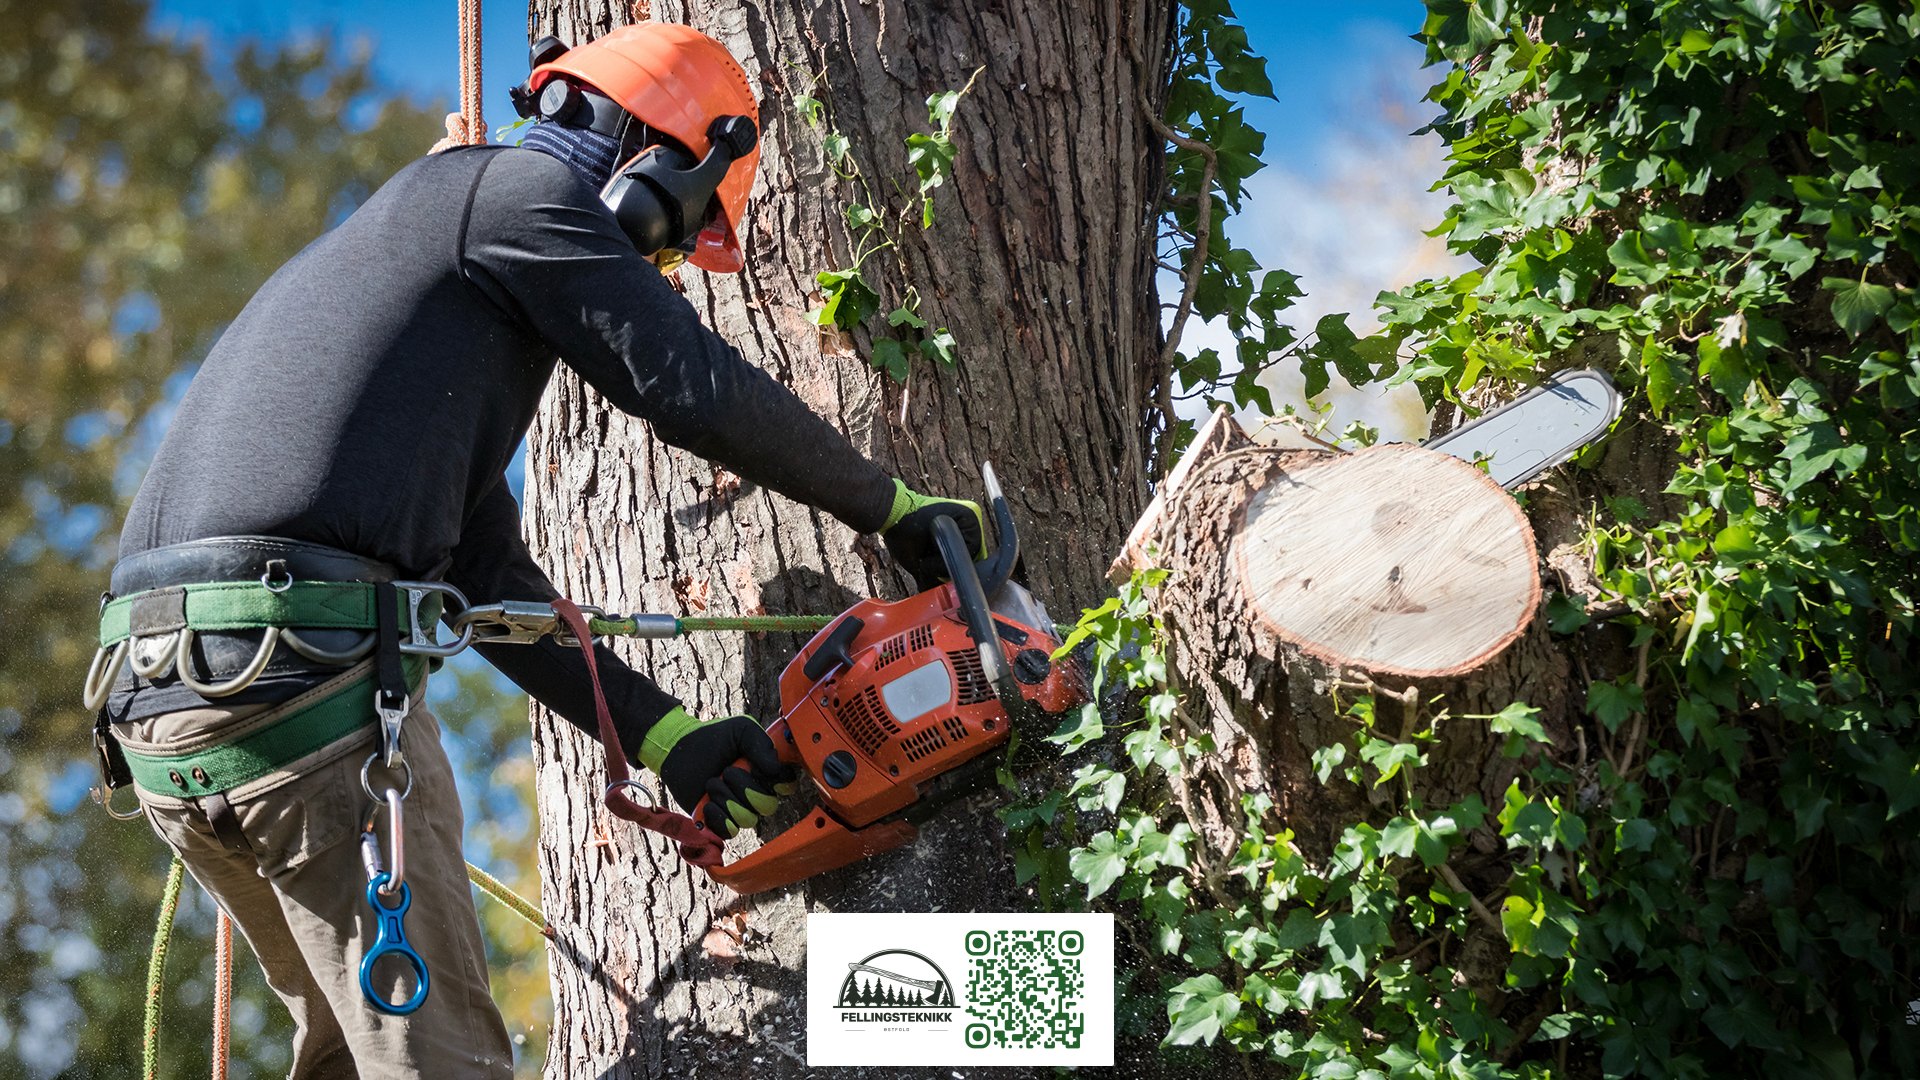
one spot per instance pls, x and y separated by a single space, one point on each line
892 708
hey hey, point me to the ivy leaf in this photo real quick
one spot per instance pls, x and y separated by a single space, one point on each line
1390 757
836 146
931 157
940 108
849 299
939 346
1856 304
1397 838
809 109
1565 614
861 217
1519 719
1328 758
1099 864
1320 986
1662 374
1198 1009
1736 543
1520 723
902 316
891 357
1079 728
1632 265
1634 834
1612 702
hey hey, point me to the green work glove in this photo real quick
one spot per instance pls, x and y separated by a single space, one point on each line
909 532
695 757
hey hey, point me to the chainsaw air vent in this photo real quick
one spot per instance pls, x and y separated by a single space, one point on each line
922 742
894 649
867 724
955 729
974 687
921 637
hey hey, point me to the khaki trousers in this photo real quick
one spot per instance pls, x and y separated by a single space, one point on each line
282 858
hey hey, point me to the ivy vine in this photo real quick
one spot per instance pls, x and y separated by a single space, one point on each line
850 296
1715 200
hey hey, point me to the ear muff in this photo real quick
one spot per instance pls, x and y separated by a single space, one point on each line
662 196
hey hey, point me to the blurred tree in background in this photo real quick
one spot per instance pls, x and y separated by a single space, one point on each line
146 189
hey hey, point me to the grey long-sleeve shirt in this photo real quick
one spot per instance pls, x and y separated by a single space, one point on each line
371 394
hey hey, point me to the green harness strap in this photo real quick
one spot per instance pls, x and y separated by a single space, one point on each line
225 766
244 605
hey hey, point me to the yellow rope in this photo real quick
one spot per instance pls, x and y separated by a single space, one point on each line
514 902
157 966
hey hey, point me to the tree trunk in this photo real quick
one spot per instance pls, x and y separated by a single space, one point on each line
1040 263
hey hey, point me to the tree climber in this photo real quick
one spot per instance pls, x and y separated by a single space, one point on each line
262 678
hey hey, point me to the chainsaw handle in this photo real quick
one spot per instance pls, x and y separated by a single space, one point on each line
783 745
973 608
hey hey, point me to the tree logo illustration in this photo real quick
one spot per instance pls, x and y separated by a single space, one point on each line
895 980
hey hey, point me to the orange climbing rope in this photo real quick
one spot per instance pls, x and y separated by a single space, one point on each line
222 995
472 111
468 127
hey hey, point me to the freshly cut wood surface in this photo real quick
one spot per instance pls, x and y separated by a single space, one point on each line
1393 559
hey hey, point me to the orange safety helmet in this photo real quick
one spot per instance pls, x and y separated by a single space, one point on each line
678 81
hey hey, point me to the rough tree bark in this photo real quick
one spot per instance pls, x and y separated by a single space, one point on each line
1041 264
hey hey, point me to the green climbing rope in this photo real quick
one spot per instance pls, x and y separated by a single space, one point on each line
514 902
625 626
157 966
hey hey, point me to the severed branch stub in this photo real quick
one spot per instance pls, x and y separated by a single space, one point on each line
1391 560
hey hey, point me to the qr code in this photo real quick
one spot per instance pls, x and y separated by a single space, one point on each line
1026 989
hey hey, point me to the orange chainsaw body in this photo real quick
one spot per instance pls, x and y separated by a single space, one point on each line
887 698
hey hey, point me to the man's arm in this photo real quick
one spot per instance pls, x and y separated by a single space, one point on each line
490 564
543 247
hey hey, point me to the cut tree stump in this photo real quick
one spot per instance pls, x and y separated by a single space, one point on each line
1295 575
1390 560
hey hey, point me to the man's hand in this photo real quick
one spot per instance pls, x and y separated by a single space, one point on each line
909 532
695 757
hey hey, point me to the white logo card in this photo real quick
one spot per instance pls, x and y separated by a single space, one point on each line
959 989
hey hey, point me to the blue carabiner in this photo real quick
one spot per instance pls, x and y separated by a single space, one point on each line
392 938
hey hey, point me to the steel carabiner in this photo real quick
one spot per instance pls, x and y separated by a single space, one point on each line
390 939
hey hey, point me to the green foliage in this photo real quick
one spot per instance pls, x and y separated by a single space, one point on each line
1319 966
1717 870
849 298
1211 67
